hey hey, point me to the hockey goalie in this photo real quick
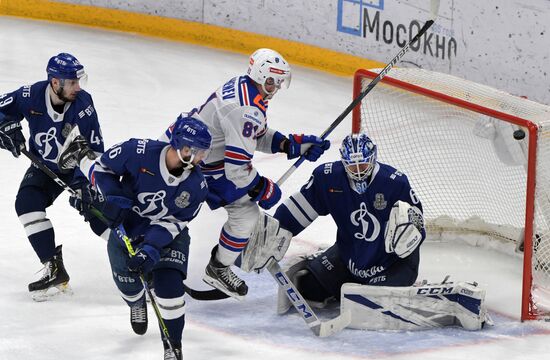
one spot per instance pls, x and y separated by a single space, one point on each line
373 266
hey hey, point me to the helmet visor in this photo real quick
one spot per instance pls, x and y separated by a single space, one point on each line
278 77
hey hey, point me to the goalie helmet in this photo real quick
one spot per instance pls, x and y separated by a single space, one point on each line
265 64
192 133
65 66
358 154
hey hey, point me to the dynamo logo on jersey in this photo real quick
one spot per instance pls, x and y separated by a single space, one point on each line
154 202
361 217
44 141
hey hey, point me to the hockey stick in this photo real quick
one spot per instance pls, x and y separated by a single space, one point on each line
121 233
434 8
321 328
213 294
329 327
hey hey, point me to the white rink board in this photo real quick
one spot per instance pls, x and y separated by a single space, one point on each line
139 86
503 44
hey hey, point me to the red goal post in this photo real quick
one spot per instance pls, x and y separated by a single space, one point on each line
455 140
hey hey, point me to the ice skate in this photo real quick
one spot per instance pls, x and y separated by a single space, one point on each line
224 279
54 280
138 316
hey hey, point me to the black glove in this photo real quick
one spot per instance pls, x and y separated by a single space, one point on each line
85 199
115 209
11 137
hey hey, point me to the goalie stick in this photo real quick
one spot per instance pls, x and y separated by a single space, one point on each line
434 9
321 328
213 294
329 327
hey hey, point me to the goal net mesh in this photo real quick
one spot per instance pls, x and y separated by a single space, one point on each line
455 141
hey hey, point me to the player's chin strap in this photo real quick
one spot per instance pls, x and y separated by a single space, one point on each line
213 294
187 164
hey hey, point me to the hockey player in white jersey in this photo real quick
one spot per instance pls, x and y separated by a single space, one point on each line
236 116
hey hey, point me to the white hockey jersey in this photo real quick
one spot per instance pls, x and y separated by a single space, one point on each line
236 117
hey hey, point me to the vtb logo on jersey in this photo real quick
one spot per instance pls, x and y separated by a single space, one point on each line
154 202
362 217
47 142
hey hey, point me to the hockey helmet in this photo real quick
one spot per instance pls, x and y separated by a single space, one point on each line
358 154
65 66
267 64
192 133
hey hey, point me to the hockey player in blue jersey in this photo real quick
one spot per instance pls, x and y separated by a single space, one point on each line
153 189
52 108
379 224
236 114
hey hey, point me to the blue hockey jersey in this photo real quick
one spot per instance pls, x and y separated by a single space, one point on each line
360 218
163 203
48 128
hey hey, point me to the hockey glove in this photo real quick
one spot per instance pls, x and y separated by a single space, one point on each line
115 210
144 259
73 151
311 146
266 193
85 198
11 137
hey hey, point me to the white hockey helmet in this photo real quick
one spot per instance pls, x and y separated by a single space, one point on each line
265 64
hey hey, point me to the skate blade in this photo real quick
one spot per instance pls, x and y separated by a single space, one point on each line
216 284
54 291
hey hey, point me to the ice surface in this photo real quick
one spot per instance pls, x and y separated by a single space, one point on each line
139 86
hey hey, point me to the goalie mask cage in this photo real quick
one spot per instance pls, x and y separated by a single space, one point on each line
455 141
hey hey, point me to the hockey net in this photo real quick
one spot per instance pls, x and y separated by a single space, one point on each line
455 141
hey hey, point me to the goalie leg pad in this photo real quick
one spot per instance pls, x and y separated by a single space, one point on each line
329 271
416 307
318 277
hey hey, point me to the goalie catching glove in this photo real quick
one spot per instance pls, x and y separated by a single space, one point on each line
404 229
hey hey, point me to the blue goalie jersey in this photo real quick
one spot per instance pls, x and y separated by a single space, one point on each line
163 203
360 218
48 128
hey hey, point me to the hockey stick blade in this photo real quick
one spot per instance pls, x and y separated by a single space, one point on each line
333 326
318 327
205 295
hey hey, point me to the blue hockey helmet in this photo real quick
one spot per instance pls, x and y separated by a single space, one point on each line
190 132
65 66
358 154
